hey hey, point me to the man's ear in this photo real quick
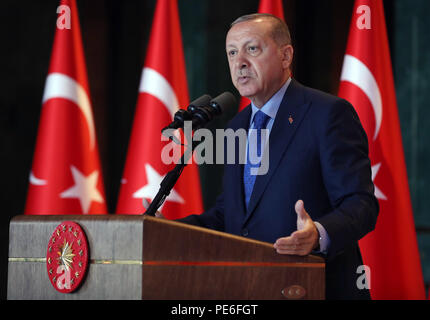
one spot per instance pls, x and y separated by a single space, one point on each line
287 52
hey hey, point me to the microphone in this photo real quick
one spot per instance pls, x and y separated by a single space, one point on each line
202 115
183 115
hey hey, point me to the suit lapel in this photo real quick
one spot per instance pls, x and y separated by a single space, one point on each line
289 116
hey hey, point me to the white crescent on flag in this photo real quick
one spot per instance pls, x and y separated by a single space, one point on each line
36 181
356 72
155 84
59 85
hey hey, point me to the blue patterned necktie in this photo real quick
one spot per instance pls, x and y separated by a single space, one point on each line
260 122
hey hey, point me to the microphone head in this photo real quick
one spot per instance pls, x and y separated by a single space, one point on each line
202 101
223 102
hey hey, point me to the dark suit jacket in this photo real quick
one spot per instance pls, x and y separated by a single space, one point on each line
320 157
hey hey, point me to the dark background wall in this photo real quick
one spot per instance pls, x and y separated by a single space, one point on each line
115 36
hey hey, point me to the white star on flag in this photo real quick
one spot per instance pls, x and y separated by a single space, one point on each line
378 193
85 189
150 190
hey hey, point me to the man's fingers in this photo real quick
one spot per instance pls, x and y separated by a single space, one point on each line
300 209
299 206
292 246
296 238
302 241
300 250
288 243
301 235
285 241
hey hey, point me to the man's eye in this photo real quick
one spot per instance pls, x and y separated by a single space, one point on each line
232 53
252 49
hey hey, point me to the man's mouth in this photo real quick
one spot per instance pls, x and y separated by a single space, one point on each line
242 79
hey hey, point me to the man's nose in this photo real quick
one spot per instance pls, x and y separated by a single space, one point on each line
241 61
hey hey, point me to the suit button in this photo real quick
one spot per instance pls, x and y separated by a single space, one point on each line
245 232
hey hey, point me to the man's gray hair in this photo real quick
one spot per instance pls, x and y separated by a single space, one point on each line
280 32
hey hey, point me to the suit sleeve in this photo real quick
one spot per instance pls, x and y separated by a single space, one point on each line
212 218
347 175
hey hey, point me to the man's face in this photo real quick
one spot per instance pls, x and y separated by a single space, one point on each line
258 65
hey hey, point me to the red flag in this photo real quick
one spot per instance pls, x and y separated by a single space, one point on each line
391 250
163 88
266 6
66 176
273 7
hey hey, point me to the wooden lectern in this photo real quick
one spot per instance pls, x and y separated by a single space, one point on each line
141 257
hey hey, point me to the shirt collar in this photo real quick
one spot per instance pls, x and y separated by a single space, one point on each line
271 107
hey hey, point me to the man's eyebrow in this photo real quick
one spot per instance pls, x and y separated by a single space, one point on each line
246 43
231 46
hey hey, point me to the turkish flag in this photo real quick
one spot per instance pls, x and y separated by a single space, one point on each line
163 88
266 6
66 176
391 250
273 7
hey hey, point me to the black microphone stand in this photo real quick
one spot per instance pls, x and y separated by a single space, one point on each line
170 180
200 115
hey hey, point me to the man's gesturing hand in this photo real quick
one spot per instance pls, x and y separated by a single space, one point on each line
302 241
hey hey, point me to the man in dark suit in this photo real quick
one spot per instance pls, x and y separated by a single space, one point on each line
317 194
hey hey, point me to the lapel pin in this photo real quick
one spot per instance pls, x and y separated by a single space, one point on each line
290 119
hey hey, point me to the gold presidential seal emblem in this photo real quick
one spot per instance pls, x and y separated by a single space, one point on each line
67 257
